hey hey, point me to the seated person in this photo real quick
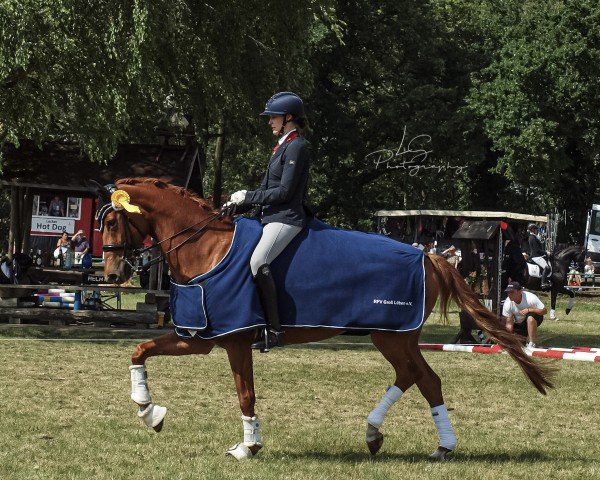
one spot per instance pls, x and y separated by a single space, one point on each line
81 246
588 271
573 277
524 312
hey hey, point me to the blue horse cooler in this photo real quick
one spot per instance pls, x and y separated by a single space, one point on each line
326 277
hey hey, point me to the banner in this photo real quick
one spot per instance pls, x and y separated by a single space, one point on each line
42 224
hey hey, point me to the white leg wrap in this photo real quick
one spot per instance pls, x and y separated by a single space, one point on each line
152 415
251 431
139 385
444 427
240 452
571 303
553 314
391 396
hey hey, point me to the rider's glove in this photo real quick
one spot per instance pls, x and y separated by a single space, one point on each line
238 197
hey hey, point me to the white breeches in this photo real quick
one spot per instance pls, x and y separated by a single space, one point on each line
541 261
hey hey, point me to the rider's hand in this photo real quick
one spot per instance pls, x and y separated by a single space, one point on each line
228 209
238 197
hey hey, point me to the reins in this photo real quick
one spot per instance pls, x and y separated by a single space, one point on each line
137 252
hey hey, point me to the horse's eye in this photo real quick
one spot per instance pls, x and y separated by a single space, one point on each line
111 223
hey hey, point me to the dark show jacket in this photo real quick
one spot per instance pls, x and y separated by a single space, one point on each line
283 189
536 249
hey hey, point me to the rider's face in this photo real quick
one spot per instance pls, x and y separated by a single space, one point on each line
276 122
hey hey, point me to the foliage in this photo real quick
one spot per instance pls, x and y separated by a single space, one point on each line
506 93
537 99
107 71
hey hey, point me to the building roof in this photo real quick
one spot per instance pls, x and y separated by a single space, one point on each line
481 215
63 166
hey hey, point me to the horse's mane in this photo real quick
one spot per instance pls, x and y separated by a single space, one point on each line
163 185
564 250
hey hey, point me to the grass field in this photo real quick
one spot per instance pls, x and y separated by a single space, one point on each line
66 412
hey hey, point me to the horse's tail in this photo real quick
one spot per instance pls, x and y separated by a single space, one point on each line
453 288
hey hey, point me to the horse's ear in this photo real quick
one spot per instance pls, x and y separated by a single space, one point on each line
100 191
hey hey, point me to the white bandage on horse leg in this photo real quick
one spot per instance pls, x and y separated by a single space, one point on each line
139 385
571 303
391 396
251 431
444 427
152 415
552 314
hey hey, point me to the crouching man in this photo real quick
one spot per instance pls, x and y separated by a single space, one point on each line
524 312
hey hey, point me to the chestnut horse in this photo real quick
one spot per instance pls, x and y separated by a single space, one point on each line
194 238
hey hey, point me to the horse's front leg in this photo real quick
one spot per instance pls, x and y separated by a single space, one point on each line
170 344
240 359
553 294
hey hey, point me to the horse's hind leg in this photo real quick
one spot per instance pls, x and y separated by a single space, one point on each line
170 344
430 387
395 348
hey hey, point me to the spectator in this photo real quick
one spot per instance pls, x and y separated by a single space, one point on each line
452 256
524 312
573 277
81 246
61 245
57 207
588 271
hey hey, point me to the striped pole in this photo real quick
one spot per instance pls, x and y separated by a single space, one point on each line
585 354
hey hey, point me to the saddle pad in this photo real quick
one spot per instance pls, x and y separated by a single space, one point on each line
326 277
534 270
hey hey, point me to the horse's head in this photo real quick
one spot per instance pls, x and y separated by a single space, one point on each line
121 237
123 229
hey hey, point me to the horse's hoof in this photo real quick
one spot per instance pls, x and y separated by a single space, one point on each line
374 439
440 455
242 452
159 427
567 311
153 416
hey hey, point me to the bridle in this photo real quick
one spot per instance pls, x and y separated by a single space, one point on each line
132 255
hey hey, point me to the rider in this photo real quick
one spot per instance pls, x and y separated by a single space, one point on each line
281 199
537 254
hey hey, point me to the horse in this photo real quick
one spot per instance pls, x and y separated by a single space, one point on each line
516 269
194 238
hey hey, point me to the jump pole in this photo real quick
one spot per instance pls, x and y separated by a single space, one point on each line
585 354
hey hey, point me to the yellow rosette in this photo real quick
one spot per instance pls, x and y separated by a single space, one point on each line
120 201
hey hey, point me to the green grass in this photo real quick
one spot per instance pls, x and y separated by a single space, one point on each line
66 412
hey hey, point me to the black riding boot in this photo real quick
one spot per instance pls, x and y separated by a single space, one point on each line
546 284
267 292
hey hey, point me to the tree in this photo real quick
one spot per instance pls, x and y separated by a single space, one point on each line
103 72
537 100
397 73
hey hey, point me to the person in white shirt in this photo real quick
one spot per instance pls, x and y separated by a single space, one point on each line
524 312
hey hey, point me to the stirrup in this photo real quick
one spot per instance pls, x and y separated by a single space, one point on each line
269 340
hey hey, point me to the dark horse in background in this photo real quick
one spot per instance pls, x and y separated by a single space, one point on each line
514 268
561 258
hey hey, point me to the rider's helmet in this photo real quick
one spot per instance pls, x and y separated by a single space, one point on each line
532 226
285 102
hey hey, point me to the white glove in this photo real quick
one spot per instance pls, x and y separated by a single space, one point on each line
239 197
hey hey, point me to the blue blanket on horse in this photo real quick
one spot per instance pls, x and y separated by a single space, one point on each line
326 277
